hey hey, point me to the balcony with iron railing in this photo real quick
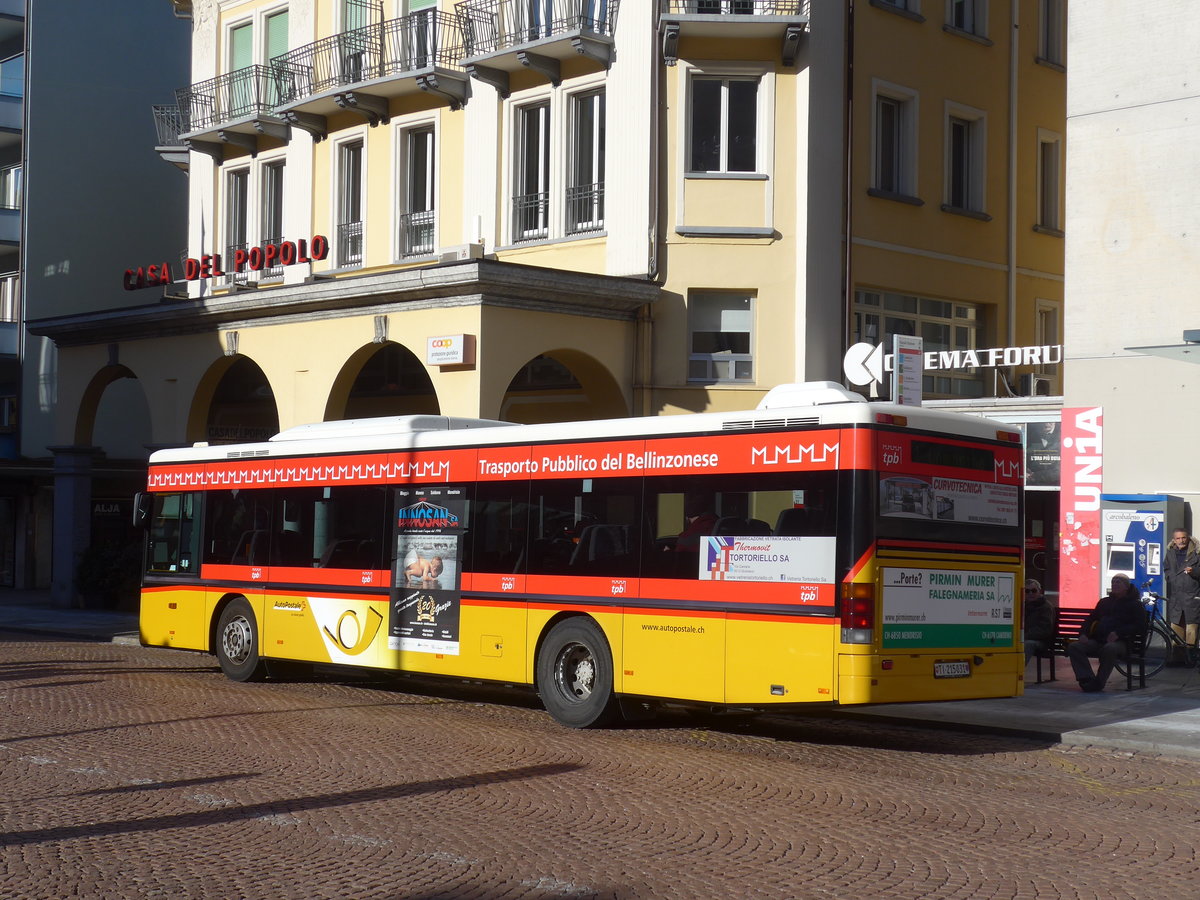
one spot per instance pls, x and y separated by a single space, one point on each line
361 70
786 20
531 216
234 108
585 208
503 36
169 123
350 244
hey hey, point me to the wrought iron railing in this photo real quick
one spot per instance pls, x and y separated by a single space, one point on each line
493 25
350 244
238 94
410 43
585 208
531 216
734 7
276 270
170 122
231 275
416 233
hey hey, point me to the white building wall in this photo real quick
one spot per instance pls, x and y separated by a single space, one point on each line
1133 236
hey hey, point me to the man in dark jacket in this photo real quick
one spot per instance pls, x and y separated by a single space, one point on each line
1181 578
1105 631
1038 619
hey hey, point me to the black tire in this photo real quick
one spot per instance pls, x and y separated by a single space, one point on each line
237 643
1158 650
575 675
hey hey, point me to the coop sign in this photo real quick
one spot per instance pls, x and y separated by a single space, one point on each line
252 259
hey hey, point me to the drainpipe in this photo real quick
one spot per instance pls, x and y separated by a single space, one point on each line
645 322
848 137
1013 60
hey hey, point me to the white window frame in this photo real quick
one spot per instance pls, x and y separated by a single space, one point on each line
228 174
907 148
1049 182
975 122
404 132
336 149
255 213
764 114
1045 311
1052 28
695 297
575 101
560 100
257 20
975 18
543 109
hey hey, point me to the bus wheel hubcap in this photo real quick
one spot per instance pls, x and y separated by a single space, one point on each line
237 640
576 672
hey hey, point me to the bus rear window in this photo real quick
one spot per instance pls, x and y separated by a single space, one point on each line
953 456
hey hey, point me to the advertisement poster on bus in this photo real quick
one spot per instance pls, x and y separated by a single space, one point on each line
949 500
427 571
807 560
947 608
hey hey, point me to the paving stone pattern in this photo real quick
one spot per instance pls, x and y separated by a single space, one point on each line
128 772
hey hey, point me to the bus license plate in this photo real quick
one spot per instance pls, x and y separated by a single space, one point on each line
959 669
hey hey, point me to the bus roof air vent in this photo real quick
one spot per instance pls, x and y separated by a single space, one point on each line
808 393
383 425
750 424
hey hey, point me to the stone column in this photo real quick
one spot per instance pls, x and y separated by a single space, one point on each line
72 518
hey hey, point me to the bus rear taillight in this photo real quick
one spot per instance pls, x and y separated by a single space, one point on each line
858 613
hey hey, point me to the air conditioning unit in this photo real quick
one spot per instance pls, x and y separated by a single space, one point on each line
461 252
1035 386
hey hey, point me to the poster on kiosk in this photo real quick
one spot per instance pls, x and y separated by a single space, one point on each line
1135 530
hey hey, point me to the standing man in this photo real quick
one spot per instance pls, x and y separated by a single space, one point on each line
1104 634
1181 578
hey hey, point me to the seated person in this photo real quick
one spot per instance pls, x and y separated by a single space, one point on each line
699 521
1117 617
1038 619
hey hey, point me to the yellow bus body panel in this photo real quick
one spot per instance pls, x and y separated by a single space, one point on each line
779 662
862 678
491 646
174 618
677 656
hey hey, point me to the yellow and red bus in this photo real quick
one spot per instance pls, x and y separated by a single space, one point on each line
818 549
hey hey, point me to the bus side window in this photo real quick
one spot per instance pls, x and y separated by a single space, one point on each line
348 528
588 526
172 538
498 517
236 524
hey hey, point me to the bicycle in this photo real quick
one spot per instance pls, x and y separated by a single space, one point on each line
1162 643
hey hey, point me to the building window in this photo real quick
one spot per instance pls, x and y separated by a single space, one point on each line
945 326
895 136
350 204
10 187
720 330
1050 42
1049 181
417 207
968 15
237 222
10 297
723 136
12 76
965 143
585 184
1046 328
272 212
531 178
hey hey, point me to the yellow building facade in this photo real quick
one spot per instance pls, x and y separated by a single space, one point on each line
541 210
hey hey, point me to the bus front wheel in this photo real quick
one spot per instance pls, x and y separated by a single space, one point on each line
237 643
575 675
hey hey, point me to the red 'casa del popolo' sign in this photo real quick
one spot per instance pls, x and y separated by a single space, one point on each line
254 259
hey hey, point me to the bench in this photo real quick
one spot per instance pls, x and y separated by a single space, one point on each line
1067 623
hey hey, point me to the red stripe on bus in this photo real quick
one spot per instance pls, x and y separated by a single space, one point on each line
856 569
949 546
254 575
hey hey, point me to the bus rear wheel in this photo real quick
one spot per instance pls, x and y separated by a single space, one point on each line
575 675
237 643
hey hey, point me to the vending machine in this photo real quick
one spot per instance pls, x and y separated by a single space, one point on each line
1135 531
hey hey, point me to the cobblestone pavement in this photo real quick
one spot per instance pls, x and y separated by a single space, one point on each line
128 772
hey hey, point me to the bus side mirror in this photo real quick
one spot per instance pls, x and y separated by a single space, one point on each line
142 504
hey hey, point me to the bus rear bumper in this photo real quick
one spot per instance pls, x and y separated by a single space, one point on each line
906 678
